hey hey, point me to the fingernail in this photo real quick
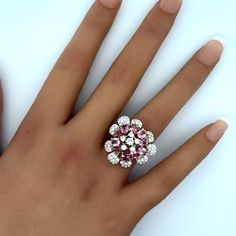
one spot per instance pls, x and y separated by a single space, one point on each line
220 39
110 3
170 6
217 130
210 53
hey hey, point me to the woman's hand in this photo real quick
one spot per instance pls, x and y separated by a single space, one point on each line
55 178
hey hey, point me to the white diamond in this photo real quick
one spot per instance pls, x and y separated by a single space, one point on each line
122 138
130 141
137 122
113 158
132 149
126 164
124 120
137 141
150 137
142 160
113 129
108 146
131 134
123 147
152 149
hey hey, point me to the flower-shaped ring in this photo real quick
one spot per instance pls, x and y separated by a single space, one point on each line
129 142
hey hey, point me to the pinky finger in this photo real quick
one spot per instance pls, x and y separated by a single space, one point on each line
164 177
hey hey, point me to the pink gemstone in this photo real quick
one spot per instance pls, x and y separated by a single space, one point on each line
117 133
126 152
142 134
124 157
142 151
133 156
143 142
115 142
139 148
124 129
134 128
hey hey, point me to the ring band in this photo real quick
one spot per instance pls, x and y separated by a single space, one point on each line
129 142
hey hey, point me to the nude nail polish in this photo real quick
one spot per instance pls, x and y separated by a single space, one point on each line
110 3
217 130
170 6
210 53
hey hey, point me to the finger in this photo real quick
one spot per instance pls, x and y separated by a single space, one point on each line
59 93
1 100
126 72
164 177
163 107
1 109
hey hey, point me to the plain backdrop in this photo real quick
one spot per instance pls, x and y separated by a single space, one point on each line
33 34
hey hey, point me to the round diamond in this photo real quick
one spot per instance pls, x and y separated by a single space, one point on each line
150 137
108 146
113 129
131 134
126 163
137 123
132 149
142 160
123 120
152 149
123 147
137 141
113 158
130 141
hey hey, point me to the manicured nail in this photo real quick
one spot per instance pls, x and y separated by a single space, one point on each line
170 6
110 3
217 130
220 39
210 53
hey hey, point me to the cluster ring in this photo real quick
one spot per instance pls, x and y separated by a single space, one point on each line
129 142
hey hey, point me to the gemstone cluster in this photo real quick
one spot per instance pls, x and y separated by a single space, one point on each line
129 142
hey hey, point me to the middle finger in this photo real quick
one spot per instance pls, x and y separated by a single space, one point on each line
121 80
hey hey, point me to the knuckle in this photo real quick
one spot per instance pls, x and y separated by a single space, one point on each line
74 152
73 58
96 21
155 27
120 73
29 135
168 179
90 192
193 74
193 81
110 223
95 24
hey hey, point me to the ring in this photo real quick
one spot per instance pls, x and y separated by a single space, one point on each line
129 142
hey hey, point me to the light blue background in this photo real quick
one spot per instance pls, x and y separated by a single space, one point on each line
32 35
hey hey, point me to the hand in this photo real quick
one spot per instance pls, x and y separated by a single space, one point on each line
55 178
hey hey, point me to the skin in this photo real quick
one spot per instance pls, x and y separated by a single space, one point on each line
54 175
